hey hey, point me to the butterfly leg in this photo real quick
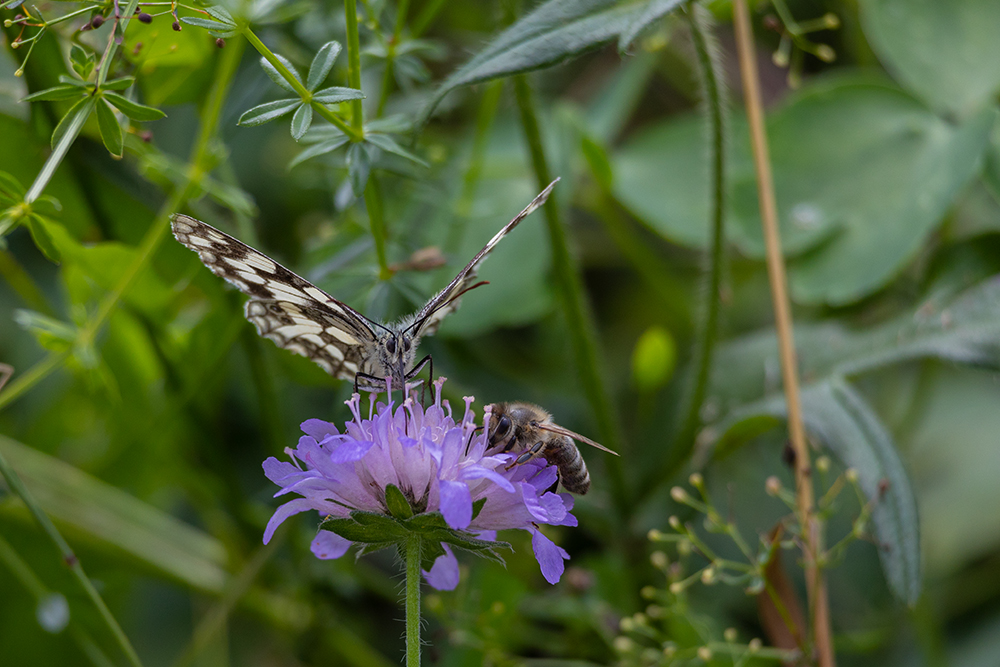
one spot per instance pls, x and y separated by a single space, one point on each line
377 381
426 361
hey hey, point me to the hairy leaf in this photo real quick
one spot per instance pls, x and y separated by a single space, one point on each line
322 64
265 113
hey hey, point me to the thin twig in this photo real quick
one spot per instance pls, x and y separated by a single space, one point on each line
815 586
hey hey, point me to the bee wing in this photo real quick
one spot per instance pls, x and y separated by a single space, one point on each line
556 428
447 300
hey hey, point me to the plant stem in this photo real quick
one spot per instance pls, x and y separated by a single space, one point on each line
579 318
109 52
354 64
17 487
303 92
58 153
815 585
390 55
413 601
709 69
376 218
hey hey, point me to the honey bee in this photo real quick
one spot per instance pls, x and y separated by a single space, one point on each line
523 427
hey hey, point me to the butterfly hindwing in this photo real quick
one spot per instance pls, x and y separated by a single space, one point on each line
445 302
288 309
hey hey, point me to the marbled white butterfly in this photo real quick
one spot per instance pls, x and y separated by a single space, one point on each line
300 317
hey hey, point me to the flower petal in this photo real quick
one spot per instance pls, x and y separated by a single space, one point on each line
351 450
283 512
550 556
456 504
318 429
327 545
443 575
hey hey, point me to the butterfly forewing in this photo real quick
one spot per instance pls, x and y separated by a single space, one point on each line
288 309
445 302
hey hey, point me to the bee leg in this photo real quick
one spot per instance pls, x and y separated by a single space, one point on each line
555 484
471 436
528 455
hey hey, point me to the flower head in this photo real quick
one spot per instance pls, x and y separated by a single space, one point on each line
400 463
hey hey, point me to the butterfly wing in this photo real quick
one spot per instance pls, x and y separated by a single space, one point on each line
428 319
288 309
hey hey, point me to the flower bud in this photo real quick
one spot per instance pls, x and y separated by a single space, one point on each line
220 42
145 18
704 653
176 25
729 635
772 486
754 645
658 559
97 21
678 494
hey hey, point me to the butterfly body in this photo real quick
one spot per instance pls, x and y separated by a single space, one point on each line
302 318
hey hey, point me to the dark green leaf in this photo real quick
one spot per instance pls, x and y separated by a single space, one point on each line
318 149
322 64
381 530
552 32
301 121
597 159
73 81
654 10
477 507
844 421
81 108
121 83
134 110
359 166
56 93
337 94
389 144
275 76
397 503
41 237
264 113
111 131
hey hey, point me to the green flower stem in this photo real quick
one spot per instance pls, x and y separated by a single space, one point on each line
708 329
27 380
356 134
426 17
390 55
23 573
17 487
58 153
413 600
376 218
354 65
579 318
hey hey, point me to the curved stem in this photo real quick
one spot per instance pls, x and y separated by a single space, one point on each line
709 69
413 601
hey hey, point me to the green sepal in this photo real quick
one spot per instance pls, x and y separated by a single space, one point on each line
398 505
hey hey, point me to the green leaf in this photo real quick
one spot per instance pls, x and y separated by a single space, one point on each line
10 188
122 522
863 174
477 507
265 113
221 14
389 144
552 32
121 83
321 148
57 93
73 81
337 94
366 527
82 61
322 64
52 334
111 131
301 121
847 425
81 108
275 76
654 10
42 239
134 110
947 53
397 503
359 166
215 28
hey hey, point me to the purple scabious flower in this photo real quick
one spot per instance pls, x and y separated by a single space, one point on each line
438 465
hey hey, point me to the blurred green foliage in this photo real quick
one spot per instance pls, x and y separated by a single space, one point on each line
143 403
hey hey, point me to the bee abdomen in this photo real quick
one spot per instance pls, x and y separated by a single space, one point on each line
572 469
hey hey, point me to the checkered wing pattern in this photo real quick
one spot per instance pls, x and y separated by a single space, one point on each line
288 309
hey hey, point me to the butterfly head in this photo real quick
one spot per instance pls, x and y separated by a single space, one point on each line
396 351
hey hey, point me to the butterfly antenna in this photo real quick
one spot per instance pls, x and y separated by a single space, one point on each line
445 303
